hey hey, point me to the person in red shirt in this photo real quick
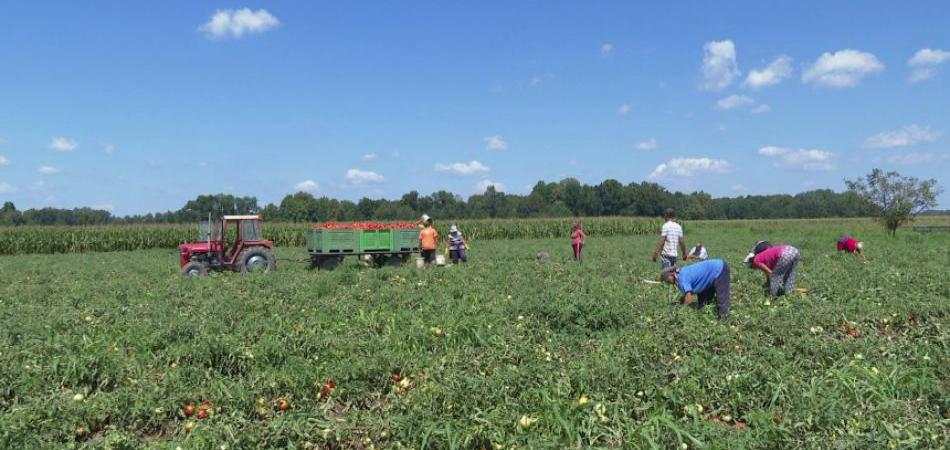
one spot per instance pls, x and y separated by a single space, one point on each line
778 262
851 245
577 240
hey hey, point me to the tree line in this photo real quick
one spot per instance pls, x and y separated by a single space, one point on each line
569 197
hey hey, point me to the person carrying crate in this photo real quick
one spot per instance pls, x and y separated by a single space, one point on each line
428 240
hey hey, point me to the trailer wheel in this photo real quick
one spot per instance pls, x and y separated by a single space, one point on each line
395 260
194 269
325 262
256 259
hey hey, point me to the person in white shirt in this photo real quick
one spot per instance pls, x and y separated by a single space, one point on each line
697 252
671 237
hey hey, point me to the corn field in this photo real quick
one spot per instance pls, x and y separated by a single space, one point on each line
107 238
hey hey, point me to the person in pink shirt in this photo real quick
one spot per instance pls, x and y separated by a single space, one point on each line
851 245
778 262
577 240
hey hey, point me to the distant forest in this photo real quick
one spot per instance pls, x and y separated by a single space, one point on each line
569 197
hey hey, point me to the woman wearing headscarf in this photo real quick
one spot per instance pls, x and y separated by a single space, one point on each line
778 262
457 245
851 245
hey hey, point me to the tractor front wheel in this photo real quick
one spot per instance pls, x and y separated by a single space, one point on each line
194 269
256 259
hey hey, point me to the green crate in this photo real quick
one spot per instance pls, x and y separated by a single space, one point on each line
405 240
333 241
376 240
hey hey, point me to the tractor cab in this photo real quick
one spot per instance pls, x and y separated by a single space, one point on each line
230 243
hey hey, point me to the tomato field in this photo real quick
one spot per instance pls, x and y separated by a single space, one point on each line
115 350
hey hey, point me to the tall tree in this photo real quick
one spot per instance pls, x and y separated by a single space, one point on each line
894 199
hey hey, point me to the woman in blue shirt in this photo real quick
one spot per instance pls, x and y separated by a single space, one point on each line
706 280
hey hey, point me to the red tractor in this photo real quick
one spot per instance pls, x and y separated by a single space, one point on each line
248 252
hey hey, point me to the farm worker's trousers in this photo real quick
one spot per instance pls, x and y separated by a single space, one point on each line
719 290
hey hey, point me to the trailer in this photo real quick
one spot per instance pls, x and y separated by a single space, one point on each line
379 244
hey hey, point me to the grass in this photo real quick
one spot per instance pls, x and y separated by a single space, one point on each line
117 343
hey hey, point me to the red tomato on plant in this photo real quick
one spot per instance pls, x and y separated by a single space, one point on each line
188 410
327 389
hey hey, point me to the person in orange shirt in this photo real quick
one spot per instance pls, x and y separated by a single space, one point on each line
428 240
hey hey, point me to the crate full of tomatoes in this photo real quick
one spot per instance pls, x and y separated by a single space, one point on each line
330 225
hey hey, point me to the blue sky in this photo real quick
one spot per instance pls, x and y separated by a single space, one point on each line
140 107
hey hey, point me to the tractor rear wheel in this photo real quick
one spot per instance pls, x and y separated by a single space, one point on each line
194 269
256 259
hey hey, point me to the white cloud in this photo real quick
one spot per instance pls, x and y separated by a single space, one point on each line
774 73
649 144
800 159
307 186
496 143
914 158
482 186
734 102
929 57
4 161
811 160
236 23
61 144
104 207
909 135
688 167
47 170
741 102
738 188
921 74
841 69
108 147
624 109
607 48
924 63
369 157
772 150
719 65
6 188
462 168
356 176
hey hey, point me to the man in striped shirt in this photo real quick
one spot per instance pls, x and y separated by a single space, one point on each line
671 237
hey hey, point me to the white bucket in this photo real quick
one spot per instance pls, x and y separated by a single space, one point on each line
440 260
420 263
